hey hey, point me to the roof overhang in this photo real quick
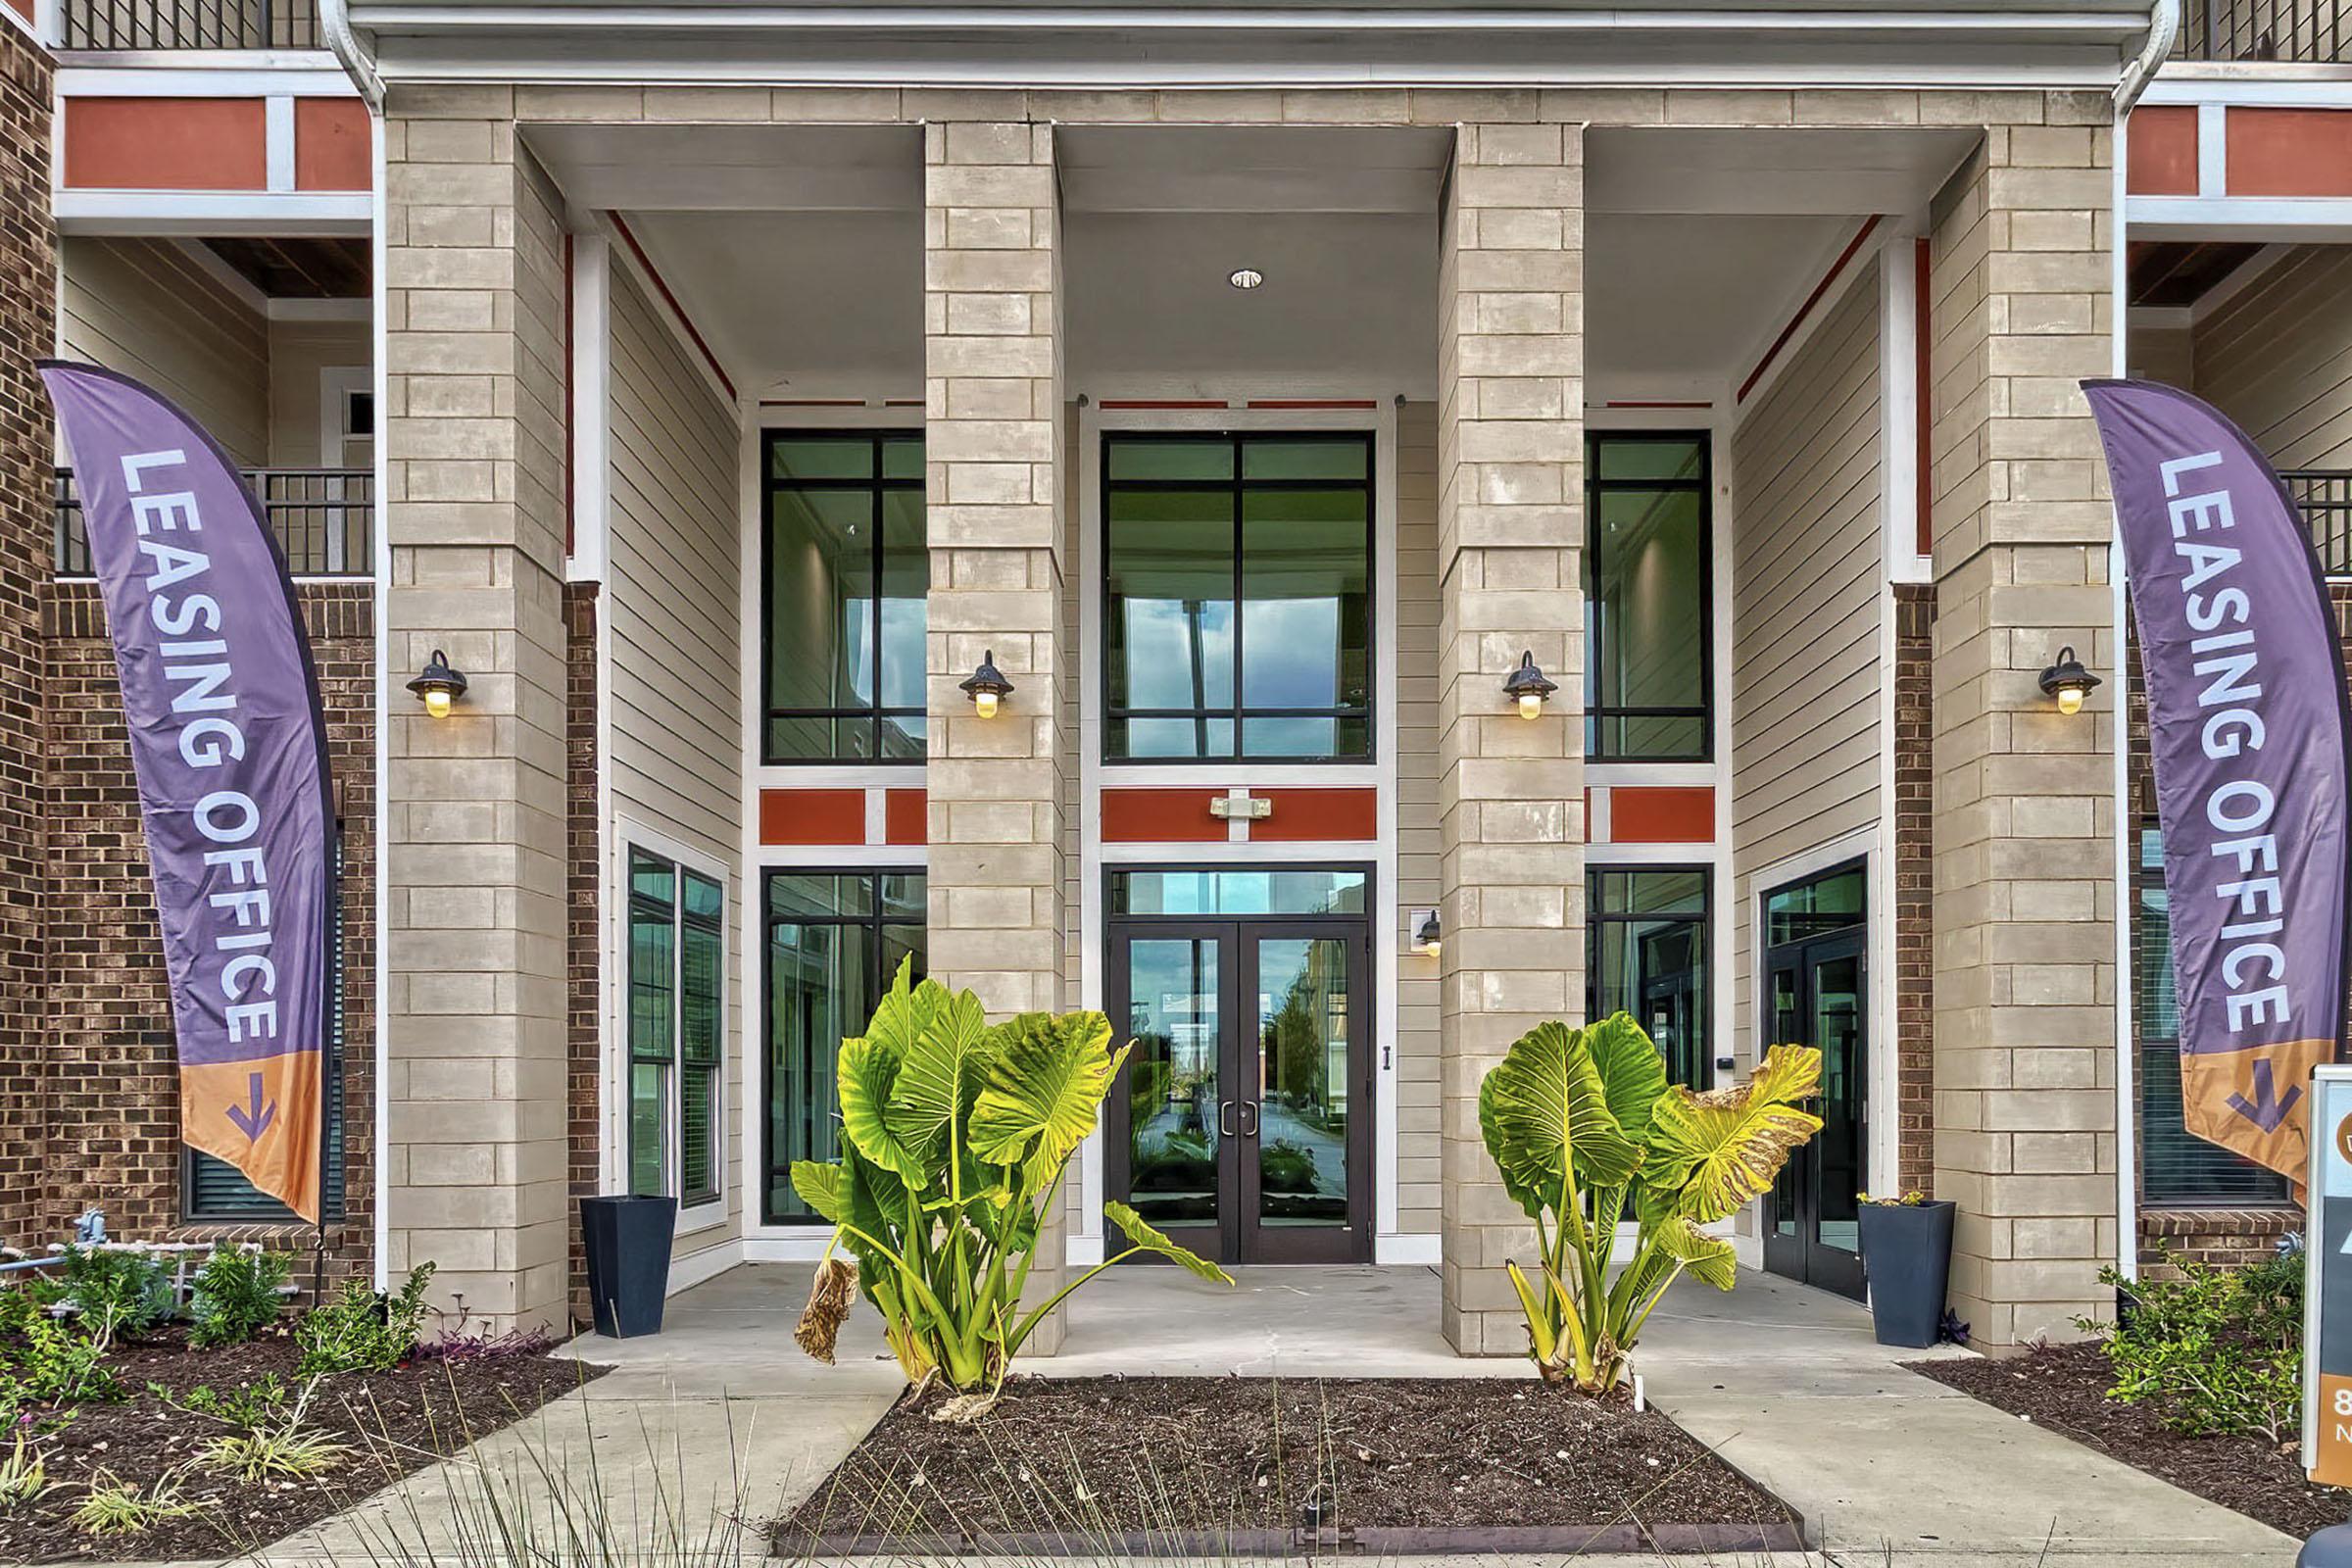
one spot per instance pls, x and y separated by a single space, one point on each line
1109 44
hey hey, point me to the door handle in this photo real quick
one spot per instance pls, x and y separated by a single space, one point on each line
1250 1105
1225 1118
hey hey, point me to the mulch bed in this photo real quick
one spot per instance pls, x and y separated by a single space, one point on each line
394 1422
1397 1465
2064 1388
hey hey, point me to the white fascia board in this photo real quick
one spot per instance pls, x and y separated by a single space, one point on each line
173 78
212 213
2286 219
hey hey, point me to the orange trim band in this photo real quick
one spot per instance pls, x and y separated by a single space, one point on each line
812 816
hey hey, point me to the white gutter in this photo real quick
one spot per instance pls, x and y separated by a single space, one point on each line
334 21
2164 25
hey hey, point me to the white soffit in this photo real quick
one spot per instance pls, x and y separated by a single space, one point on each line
1251 168
791 169
1171 43
1675 170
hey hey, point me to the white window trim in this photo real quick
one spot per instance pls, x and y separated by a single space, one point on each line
631 833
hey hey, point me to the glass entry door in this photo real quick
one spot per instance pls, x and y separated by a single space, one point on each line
1816 994
1242 1125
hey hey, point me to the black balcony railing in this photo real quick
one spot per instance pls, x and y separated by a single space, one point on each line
324 519
2307 32
2324 495
191 24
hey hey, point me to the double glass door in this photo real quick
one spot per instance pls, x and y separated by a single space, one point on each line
1816 985
1242 1125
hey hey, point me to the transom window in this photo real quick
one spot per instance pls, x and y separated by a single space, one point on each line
676 967
1236 597
1650 656
847 570
1647 954
834 941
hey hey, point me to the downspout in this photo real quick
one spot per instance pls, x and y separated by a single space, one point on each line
334 19
2164 25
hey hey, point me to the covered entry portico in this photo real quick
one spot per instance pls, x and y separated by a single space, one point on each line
1472 287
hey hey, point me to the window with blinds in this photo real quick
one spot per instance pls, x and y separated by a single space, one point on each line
213 1190
2176 1168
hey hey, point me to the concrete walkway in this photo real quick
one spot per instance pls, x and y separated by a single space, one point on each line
722 1419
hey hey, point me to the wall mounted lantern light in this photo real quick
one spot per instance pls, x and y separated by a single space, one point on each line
438 686
2068 681
1527 686
986 686
1428 937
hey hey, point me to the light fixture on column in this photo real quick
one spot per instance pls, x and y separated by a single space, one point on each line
438 686
1529 686
987 686
2068 681
1245 277
1429 936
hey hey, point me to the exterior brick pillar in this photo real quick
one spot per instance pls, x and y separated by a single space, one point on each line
1000 788
1510 791
476 848
27 331
2025 895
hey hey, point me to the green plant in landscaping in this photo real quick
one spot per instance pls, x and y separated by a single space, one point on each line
118 1508
49 1360
247 1405
24 1473
1910 1200
1581 1121
2216 1351
955 1136
116 1291
364 1330
234 1296
272 1440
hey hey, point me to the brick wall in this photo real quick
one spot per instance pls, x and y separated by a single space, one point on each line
110 1109
28 331
582 936
1914 679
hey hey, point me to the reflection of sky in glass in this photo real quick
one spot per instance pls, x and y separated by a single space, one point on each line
1163 638
1290 737
1293 653
903 622
855 680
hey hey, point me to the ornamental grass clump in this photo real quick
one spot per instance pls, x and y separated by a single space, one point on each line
955 1135
1581 1123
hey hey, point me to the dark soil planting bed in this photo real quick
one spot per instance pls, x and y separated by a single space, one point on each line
2064 1388
393 1423
1213 1465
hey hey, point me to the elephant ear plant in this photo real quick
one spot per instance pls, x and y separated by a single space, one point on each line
1582 1122
953 1138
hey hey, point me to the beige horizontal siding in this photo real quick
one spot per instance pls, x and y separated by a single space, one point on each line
674 680
1418 1182
145 307
1805 598
2276 357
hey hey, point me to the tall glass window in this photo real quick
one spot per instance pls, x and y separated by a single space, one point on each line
2175 1166
1236 597
1649 653
1645 938
847 570
677 968
834 941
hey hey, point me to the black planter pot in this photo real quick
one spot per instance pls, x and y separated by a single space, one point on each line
1907 1256
627 1242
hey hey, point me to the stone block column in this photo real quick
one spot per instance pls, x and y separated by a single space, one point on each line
2025 895
1000 788
474 855
1510 534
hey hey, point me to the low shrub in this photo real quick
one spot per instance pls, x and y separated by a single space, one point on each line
46 1359
364 1330
2215 1352
234 1296
114 1291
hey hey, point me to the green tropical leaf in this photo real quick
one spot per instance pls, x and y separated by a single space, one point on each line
1709 1258
939 1074
1543 1112
905 1013
1043 1089
1711 1154
823 1187
866 1072
1633 1074
1152 1241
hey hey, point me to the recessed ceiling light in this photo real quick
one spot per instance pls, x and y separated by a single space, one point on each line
1245 277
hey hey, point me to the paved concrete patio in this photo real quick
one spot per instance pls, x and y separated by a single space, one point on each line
721 1416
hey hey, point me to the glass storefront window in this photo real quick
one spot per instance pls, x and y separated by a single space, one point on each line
1253 891
1649 655
1647 954
847 570
834 941
1236 597
675 988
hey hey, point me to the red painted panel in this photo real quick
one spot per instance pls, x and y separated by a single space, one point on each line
1160 816
906 817
167 144
812 816
1660 813
2163 150
23 8
2289 152
331 150
1325 814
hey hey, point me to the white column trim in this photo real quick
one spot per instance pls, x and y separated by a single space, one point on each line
278 142
2213 149
590 408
